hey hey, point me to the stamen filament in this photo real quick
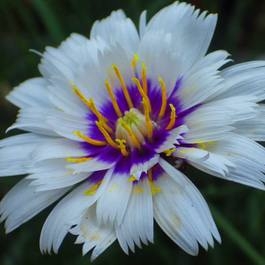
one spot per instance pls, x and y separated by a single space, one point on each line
88 139
173 117
164 98
106 134
133 137
123 86
144 79
77 159
122 146
113 99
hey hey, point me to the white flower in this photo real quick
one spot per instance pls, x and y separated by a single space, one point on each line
113 119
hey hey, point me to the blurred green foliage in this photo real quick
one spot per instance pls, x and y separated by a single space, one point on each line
34 24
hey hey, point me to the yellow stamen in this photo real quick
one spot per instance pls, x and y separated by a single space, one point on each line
88 139
143 94
135 61
113 99
93 189
144 78
77 159
91 105
164 98
133 137
138 190
149 124
106 134
132 178
172 117
122 146
81 96
154 188
123 86
170 151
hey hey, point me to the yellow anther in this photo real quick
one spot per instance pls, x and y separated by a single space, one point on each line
123 86
106 134
113 99
135 61
88 139
93 189
122 146
132 178
173 117
144 79
170 151
143 94
77 159
132 136
164 98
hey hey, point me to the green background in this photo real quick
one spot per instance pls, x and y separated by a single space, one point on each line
240 216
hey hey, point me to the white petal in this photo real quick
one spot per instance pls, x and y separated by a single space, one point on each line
139 168
187 27
253 128
16 153
206 161
137 225
117 28
112 205
246 159
246 79
70 64
172 139
33 119
22 203
53 174
212 121
31 93
194 89
182 212
93 235
65 124
57 148
142 23
92 165
68 213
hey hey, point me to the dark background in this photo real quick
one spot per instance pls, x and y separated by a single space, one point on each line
240 216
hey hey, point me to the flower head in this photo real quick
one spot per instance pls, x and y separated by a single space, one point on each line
114 118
